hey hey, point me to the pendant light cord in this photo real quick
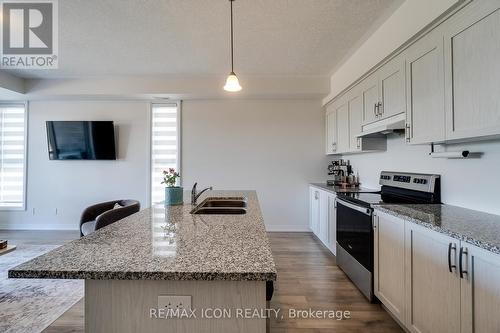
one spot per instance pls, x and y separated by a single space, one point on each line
232 57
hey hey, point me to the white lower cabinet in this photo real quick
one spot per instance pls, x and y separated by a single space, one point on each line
389 263
314 209
332 223
432 291
480 290
434 283
322 216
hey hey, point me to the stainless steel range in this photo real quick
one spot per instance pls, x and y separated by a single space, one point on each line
355 220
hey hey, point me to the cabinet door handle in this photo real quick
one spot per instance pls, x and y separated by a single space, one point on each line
454 248
358 142
460 262
334 146
380 109
316 195
407 132
375 112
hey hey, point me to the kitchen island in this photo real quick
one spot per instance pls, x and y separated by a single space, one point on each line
221 261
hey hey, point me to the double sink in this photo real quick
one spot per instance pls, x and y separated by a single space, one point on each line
222 206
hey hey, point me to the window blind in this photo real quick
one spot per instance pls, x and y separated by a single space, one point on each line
12 156
165 124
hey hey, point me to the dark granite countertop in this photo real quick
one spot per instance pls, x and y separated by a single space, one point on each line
338 189
166 244
474 227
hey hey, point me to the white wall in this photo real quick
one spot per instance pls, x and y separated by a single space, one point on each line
470 183
411 17
271 146
70 186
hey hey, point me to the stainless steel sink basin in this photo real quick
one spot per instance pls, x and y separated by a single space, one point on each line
222 206
225 202
220 211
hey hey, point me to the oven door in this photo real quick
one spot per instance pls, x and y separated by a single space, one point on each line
355 233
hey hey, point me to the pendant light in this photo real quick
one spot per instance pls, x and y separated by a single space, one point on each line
232 83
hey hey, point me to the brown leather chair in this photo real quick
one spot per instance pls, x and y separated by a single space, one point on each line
102 214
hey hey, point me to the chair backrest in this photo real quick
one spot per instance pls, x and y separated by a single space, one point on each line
129 202
129 207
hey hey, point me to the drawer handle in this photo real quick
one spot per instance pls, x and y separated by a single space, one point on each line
460 262
454 248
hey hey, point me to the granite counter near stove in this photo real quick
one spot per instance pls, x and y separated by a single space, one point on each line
474 227
339 189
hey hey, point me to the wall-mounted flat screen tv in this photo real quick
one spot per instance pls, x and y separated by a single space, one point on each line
81 140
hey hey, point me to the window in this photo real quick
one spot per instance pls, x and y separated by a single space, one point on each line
165 145
12 156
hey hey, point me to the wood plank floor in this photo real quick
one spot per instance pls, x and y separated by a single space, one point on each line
308 278
39 237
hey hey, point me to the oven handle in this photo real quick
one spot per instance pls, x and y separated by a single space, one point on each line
366 211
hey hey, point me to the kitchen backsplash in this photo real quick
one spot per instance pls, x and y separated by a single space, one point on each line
472 183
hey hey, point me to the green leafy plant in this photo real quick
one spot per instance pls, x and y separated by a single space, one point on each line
170 177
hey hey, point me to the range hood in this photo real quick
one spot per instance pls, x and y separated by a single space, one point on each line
383 127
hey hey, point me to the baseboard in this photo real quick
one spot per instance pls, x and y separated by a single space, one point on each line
54 226
36 226
287 228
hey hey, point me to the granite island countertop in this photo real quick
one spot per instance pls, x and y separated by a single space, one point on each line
474 227
161 243
339 189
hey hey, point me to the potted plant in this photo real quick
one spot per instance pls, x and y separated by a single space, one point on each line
173 193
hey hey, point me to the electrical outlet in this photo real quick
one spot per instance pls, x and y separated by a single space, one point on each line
174 302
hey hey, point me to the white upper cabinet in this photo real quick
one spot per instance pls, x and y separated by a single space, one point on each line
343 138
446 82
355 107
343 124
392 93
383 92
425 117
369 95
331 129
472 71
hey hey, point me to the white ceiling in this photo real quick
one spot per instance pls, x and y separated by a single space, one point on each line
191 37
